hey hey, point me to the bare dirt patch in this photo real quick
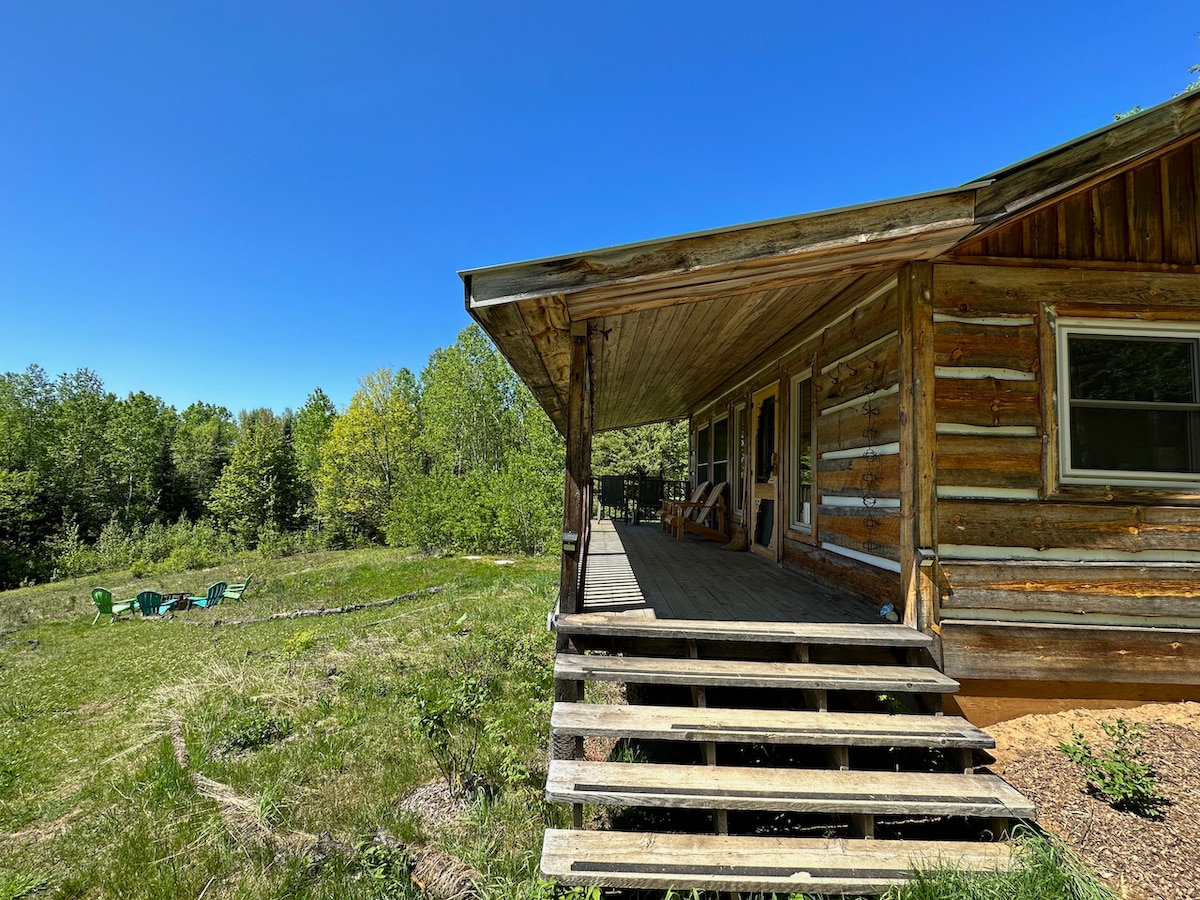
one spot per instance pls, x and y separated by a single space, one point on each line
1137 857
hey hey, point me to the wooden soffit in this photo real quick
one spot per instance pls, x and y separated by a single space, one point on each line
676 319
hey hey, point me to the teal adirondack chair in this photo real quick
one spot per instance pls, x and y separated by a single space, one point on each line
105 605
151 603
235 591
211 598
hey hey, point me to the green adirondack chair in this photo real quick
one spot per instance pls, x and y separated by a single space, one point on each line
235 591
105 605
151 603
211 598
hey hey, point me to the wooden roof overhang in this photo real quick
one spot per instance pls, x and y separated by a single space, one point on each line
677 319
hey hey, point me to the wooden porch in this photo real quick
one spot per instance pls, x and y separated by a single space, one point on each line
760 703
641 570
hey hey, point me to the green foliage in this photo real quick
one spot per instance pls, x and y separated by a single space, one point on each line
448 715
386 869
298 644
371 449
247 726
658 449
17 884
1119 775
1043 869
259 488
490 474
204 439
310 432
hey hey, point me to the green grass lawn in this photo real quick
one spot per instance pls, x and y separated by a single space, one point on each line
308 722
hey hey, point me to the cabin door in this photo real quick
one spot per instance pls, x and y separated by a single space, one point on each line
764 474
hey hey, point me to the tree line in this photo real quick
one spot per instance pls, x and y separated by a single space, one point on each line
459 457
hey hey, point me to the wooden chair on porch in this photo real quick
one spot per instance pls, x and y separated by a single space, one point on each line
708 519
671 508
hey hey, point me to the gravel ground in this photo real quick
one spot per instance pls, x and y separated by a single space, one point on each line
1139 858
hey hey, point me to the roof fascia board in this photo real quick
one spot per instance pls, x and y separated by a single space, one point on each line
1018 187
777 239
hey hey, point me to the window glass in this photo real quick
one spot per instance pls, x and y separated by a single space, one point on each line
801 450
764 449
720 450
1132 406
702 455
739 457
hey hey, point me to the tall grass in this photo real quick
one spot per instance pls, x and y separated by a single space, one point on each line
303 724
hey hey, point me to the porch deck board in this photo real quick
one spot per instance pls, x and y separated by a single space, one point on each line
642 570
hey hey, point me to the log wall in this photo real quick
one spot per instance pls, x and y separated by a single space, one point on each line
1039 580
854 363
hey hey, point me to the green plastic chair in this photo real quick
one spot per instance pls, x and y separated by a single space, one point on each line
235 591
151 603
212 598
106 606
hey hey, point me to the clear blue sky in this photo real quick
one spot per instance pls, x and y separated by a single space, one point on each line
240 200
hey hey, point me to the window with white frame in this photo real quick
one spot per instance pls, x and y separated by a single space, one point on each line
1129 402
702 455
801 452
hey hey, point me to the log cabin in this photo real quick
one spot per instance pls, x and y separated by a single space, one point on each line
979 406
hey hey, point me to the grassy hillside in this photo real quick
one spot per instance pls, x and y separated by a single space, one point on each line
300 726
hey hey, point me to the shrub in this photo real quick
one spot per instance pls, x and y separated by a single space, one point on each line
448 707
248 726
1119 775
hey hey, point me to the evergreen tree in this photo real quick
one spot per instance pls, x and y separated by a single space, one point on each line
259 488
202 447
309 435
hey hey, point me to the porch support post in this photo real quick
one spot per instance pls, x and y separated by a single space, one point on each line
918 439
576 515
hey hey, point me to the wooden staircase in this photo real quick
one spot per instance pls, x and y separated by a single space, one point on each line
766 756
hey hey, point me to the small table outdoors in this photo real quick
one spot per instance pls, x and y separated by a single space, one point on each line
177 600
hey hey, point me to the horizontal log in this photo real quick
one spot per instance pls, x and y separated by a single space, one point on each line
863 326
859 477
849 427
876 368
1153 589
869 581
1045 525
987 401
852 528
1013 290
1095 653
987 346
985 461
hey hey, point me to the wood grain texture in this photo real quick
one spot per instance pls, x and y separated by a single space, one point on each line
830 633
790 790
1149 589
734 863
1096 653
1045 525
987 402
752 673
989 461
673 723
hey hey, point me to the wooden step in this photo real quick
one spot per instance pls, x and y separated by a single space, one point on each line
725 863
751 674
772 726
784 790
880 634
